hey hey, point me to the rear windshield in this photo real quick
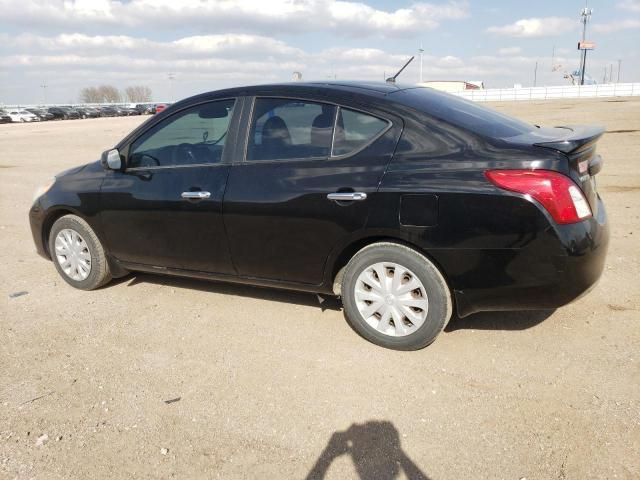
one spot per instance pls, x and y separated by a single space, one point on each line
464 113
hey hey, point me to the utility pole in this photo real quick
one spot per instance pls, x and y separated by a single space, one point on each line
171 76
618 78
421 51
611 73
604 77
44 93
585 14
535 74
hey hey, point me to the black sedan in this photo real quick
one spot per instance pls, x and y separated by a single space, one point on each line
41 114
407 203
87 112
109 111
4 117
63 113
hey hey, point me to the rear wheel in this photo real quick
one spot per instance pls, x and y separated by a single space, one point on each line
395 297
78 254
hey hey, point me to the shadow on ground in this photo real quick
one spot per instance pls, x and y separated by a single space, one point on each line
499 320
374 448
479 321
240 290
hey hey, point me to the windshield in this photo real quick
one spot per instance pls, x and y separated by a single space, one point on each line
464 113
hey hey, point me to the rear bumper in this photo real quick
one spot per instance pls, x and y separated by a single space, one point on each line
531 280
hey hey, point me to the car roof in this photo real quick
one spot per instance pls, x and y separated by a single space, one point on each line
371 88
362 89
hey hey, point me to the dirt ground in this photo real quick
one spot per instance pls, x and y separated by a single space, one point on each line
271 384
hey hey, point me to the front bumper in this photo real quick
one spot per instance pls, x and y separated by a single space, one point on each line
36 221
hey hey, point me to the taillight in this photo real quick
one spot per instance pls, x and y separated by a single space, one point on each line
556 192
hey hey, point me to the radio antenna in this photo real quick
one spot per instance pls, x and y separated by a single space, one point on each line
393 79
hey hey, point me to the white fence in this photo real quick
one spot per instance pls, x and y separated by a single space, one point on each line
544 93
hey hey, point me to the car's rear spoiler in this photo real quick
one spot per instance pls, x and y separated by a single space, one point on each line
578 137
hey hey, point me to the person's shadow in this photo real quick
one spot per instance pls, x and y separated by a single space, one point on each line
375 450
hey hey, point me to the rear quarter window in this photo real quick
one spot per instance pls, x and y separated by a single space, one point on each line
354 130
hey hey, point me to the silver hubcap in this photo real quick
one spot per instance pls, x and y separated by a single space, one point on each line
391 299
73 254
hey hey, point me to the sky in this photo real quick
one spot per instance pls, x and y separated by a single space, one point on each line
51 49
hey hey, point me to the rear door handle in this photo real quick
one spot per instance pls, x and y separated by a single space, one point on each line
195 195
347 196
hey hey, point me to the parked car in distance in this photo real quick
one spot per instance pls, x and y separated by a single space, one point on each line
64 113
406 202
41 114
161 107
4 117
22 116
127 111
145 108
108 111
87 112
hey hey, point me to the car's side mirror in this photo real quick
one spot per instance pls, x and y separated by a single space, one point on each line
111 159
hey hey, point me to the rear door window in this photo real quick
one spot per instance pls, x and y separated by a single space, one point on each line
284 129
355 130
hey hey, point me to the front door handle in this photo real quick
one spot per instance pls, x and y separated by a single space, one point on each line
195 195
347 196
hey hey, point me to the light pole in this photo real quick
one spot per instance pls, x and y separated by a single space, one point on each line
535 74
585 14
44 93
618 78
421 52
171 76
611 73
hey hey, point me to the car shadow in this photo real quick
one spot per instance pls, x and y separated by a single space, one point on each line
374 448
520 320
272 294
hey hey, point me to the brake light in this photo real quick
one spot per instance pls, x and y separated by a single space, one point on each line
556 192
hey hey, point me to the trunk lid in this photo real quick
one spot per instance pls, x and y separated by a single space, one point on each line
578 144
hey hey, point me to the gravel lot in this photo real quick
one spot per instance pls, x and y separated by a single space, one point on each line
271 384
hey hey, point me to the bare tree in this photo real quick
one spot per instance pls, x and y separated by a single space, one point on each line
110 94
138 93
101 94
90 95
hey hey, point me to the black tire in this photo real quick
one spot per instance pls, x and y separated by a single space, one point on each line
99 273
439 297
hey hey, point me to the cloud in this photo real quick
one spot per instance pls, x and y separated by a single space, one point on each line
630 5
223 45
68 62
536 27
287 16
509 51
617 25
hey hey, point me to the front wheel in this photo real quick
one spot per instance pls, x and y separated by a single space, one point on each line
395 297
77 253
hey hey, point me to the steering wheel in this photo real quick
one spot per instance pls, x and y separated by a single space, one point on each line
182 152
